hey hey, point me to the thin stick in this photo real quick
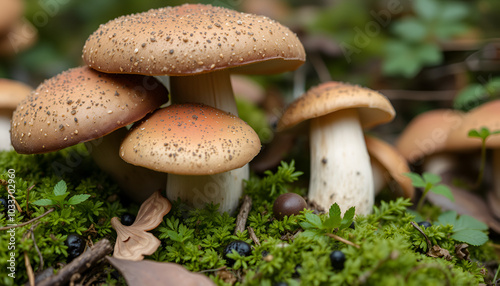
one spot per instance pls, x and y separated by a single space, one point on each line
28 222
241 220
251 232
334 236
28 195
29 269
36 246
213 270
429 244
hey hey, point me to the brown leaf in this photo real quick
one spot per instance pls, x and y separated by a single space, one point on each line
461 251
133 242
146 272
437 251
227 276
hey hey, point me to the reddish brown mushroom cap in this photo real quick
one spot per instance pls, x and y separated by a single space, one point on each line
373 107
193 39
79 105
190 139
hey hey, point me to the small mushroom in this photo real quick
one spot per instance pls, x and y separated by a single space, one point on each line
198 146
11 94
340 165
81 105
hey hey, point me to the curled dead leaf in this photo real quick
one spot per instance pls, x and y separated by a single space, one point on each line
133 242
437 251
462 252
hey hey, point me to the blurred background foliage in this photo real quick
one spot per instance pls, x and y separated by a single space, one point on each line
421 54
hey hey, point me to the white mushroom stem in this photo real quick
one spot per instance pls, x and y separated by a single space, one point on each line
379 176
138 183
5 130
496 174
340 165
213 89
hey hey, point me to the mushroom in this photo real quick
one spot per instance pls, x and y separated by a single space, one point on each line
11 93
20 37
198 46
11 12
193 143
387 163
340 166
81 105
486 115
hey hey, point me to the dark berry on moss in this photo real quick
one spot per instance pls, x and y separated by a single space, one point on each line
297 268
241 247
3 205
288 204
424 224
127 219
353 226
337 259
76 246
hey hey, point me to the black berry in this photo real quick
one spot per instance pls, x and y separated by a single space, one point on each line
127 219
288 204
337 258
241 247
76 246
424 224
296 274
353 226
280 284
3 205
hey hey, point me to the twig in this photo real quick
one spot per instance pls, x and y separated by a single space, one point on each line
429 244
29 269
334 236
213 270
80 264
241 220
28 195
253 236
28 222
36 246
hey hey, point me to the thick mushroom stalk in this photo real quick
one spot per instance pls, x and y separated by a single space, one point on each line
5 130
340 165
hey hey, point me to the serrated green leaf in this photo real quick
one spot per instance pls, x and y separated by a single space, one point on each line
448 217
469 97
60 188
416 180
348 217
76 199
428 53
444 191
44 202
431 178
313 219
474 134
468 222
470 236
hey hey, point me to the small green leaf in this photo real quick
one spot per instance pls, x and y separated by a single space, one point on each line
468 222
74 200
448 217
44 202
426 9
348 217
335 215
444 191
416 180
474 134
313 219
431 178
470 236
60 188
410 29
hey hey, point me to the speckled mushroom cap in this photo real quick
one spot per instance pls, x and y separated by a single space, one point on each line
190 139
373 107
392 161
11 12
12 92
427 133
192 39
79 105
486 115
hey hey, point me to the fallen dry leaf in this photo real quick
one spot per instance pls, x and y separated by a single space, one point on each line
146 272
462 252
133 242
437 251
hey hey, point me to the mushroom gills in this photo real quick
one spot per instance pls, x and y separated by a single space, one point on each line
340 165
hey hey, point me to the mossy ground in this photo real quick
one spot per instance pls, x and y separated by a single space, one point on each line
391 252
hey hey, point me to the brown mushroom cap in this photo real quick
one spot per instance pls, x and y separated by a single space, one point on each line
486 115
190 139
427 133
11 12
373 107
392 161
79 105
193 39
21 36
12 92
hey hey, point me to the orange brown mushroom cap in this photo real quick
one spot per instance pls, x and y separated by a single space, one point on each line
190 139
193 39
79 105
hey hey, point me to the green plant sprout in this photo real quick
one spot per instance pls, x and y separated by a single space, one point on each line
429 182
59 197
482 134
465 228
313 225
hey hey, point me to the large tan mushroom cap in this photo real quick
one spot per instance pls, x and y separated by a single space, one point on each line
10 13
373 107
79 105
392 161
486 115
193 39
427 133
190 139
12 92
